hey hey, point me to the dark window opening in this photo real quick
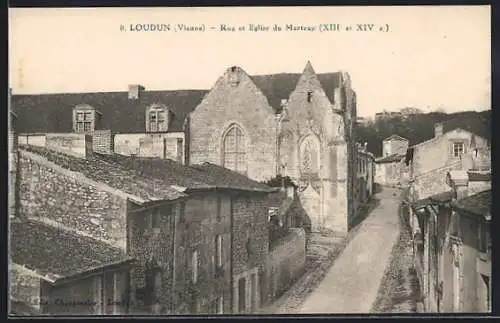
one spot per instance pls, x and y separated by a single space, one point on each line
219 215
309 96
241 295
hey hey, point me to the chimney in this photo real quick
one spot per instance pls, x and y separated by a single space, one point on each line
438 129
458 180
134 90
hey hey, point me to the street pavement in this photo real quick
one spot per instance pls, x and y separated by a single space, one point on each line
351 285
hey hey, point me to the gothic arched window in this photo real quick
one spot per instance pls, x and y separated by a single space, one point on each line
234 150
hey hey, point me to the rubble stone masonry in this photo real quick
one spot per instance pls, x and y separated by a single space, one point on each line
50 192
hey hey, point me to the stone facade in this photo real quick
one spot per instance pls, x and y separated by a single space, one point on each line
104 293
394 145
103 142
309 130
235 100
202 280
249 252
440 149
64 198
286 262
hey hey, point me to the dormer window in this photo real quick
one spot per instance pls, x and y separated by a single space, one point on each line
157 118
84 119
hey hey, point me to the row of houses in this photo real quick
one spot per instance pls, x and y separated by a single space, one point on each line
154 201
447 185
113 234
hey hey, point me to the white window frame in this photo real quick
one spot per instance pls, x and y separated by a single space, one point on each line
83 121
194 266
157 125
218 250
457 153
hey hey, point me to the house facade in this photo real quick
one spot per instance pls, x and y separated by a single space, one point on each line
459 171
296 125
390 169
453 253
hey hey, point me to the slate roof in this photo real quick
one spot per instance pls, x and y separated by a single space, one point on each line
106 171
57 254
122 115
390 159
191 177
395 137
478 204
279 86
54 112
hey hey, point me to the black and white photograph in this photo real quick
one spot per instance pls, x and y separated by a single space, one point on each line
219 161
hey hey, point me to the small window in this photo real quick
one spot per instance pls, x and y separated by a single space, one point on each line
458 149
483 236
218 251
83 121
194 266
309 96
157 119
219 209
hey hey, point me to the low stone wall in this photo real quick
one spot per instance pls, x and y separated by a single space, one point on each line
24 286
286 262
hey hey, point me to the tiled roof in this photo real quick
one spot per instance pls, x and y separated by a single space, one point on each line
390 159
201 176
53 113
107 171
478 204
395 137
279 86
55 253
437 198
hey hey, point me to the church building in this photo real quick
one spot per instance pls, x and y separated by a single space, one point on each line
299 125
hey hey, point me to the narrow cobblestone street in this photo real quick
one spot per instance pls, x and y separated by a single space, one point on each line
368 272
399 289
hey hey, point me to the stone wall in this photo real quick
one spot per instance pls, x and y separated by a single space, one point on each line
286 262
241 103
250 247
103 142
153 249
78 145
197 230
432 182
64 198
438 152
24 286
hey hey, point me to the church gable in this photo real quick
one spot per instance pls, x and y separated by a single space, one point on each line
235 102
310 109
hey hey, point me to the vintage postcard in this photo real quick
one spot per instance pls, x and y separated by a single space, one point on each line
246 160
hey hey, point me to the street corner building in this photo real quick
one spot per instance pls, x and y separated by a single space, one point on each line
178 181
447 208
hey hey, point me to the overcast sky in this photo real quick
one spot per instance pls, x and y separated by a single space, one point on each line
431 56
